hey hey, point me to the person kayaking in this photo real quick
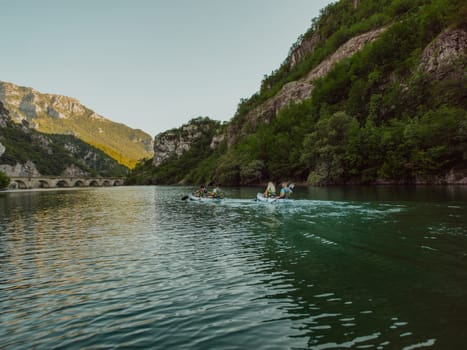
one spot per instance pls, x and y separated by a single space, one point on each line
270 191
286 190
201 191
216 192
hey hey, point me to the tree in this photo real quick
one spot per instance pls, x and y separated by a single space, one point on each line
252 172
4 181
324 149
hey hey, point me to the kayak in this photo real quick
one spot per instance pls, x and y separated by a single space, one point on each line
204 199
260 198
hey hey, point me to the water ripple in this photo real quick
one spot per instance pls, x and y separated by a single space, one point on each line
139 268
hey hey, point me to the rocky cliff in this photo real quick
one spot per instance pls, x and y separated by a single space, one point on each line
446 55
374 92
56 114
303 48
174 143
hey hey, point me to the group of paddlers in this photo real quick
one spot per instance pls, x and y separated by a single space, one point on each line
270 192
284 193
202 191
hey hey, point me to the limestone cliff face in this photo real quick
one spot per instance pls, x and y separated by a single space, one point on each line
446 55
174 143
169 144
66 105
27 169
303 48
56 114
28 103
4 116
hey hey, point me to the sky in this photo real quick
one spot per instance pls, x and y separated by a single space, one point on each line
150 64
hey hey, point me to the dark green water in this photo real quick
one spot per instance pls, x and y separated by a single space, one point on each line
136 267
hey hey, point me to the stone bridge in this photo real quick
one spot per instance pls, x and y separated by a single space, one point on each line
17 182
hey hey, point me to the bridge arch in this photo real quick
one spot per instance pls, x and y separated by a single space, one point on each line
94 183
43 184
19 184
79 183
106 183
63 183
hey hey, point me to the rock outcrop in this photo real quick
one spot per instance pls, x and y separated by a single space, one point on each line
27 169
174 143
299 90
303 48
74 171
27 103
2 149
171 143
216 141
4 116
446 55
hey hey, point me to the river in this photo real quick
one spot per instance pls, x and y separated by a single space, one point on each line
137 267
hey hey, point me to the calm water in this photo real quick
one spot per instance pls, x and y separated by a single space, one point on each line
137 267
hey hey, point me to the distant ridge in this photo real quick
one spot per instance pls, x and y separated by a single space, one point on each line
57 114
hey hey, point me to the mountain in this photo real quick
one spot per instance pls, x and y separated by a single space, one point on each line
373 92
26 152
56 114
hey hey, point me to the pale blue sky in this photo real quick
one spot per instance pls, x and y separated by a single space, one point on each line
154 64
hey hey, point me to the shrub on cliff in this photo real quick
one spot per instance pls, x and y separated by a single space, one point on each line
4 181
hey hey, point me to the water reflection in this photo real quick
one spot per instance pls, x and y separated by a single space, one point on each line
138 267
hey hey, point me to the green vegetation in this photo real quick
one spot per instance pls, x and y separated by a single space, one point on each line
376 116
4 181
97 161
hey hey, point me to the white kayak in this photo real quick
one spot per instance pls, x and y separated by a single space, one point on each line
204 199
261 198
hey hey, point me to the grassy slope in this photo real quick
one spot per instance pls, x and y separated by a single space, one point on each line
116 140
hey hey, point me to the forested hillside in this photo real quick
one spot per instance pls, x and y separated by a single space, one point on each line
27 152
374 92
